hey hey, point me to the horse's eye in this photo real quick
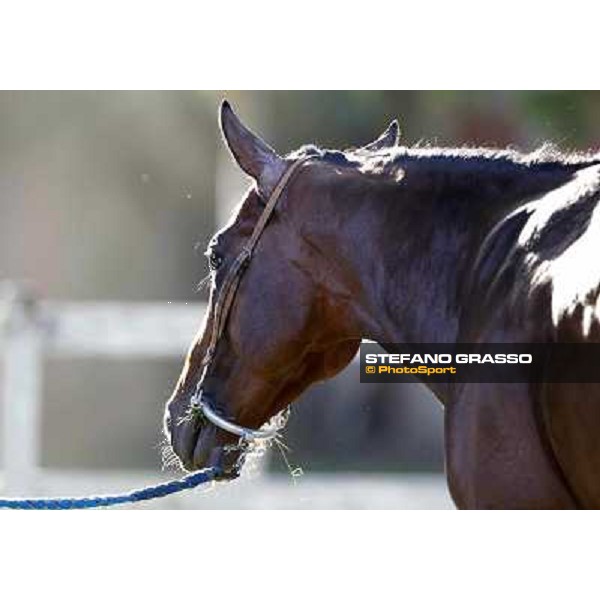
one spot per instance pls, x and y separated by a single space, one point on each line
214 260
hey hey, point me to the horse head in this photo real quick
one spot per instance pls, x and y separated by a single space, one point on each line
294 314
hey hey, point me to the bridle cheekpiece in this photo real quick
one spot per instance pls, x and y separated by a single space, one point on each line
222 308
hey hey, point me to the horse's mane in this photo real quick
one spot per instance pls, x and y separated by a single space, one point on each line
547 157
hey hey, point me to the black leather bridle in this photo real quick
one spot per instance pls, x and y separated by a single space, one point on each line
222 307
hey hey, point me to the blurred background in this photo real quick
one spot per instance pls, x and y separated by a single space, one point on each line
112 196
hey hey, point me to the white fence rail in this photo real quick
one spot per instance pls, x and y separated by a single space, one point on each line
32 329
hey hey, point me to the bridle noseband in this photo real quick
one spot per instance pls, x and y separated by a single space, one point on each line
223 305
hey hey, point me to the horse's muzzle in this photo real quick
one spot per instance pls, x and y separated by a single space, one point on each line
199 444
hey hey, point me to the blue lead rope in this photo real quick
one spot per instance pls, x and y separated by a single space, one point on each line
147 493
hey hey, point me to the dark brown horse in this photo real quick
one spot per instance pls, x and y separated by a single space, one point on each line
398 244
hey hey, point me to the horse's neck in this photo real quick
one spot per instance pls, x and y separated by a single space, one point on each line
439 221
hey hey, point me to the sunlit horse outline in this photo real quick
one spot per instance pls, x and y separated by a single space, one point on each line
410 244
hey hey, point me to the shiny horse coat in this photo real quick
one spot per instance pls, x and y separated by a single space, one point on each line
410 244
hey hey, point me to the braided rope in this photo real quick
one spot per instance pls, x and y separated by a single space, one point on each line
147 493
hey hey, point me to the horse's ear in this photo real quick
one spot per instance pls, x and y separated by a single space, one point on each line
388 139
255 157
